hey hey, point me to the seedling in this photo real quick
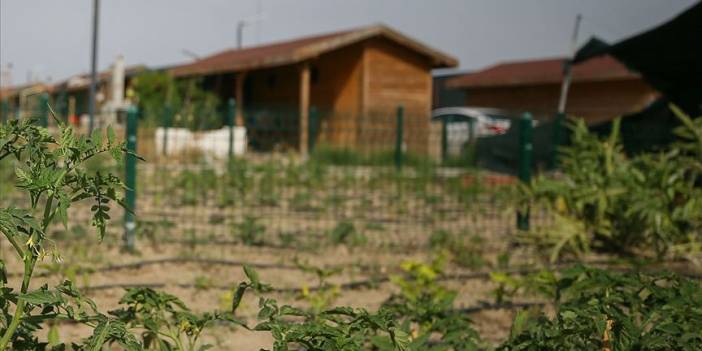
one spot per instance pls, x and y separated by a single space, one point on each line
324 293
345 233
250 232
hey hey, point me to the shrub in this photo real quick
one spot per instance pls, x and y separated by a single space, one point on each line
609 202
598 310
191 106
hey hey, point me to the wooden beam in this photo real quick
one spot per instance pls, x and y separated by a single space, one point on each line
239 97
304 108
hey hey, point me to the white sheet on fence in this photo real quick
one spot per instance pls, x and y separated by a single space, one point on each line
214 142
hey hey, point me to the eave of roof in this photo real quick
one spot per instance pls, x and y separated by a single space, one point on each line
103 76
294 51
543 71
12 91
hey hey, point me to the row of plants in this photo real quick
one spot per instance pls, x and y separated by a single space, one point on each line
311 187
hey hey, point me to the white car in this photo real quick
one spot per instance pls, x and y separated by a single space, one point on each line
467 123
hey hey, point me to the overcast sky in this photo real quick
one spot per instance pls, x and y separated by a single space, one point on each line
52 37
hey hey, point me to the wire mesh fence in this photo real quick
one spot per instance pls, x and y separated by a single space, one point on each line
383 181
367 181
389 179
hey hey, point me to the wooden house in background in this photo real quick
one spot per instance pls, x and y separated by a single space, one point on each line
356 79
601 88
71 96
22 100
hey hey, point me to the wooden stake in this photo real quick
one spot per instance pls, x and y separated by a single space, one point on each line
240 78
606 338
304 108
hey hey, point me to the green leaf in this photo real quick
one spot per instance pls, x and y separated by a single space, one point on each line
96 137
39 297
53 336
400 338
569 315
99 335
252 275
238 295
110 135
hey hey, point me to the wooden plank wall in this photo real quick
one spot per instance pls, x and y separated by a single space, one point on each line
594 101
336 92
394 76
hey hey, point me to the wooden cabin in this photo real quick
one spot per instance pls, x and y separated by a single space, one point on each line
355 79
601 89
68 98
71 96
22 100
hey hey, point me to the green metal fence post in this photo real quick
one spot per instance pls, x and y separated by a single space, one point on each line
313 128
557 138
166 125
5 111
231 108
62 106
130 179
44 110
398 141
526 127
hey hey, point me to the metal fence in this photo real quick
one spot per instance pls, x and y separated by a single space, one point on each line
385 181
379 182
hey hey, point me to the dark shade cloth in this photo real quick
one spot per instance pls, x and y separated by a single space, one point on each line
668 57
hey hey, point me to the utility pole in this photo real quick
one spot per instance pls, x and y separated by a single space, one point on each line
565 85
559 118
93 67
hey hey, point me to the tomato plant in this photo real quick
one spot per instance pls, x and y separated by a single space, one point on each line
598 309
50 171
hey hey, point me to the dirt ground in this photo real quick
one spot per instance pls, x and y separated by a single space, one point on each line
207 286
